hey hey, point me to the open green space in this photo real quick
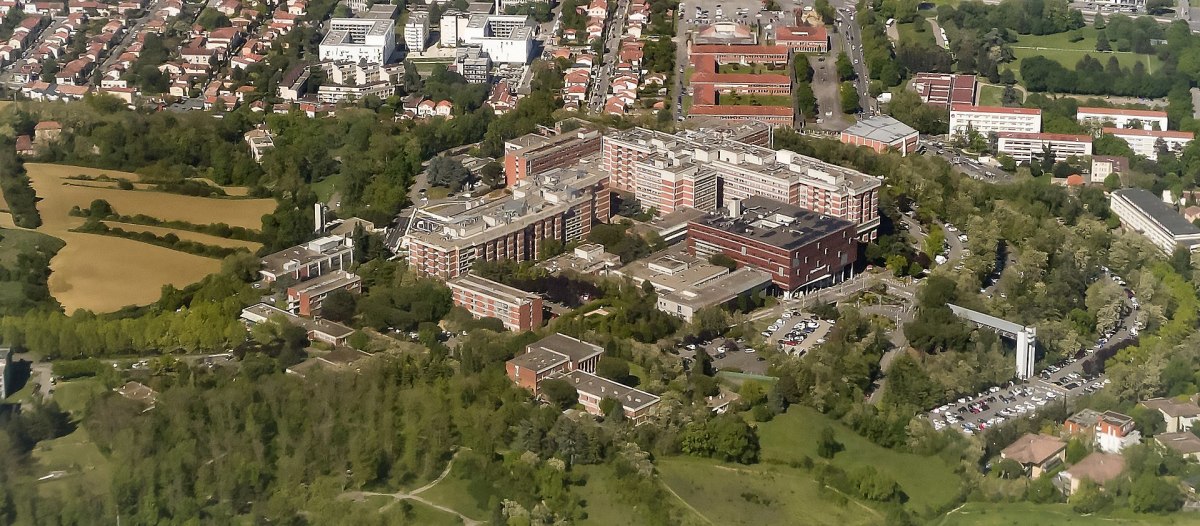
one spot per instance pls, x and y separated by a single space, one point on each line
753 99
600 498
755 495
917 31
78 457
990 95
75 395
327 186
1058 47
13 243
928 481
463 491
755 68
1027 514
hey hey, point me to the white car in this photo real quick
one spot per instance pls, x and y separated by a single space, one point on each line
787 315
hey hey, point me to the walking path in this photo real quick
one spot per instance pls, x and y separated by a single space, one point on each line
359 496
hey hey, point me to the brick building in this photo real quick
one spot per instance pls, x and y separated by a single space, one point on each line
306 298
483 298
799 248
882 133
550 357
537 153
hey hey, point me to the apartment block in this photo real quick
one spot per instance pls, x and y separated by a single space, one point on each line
745 170
621 149
548 149
1141 212
483 298
1023 147
372 40
446 239
306 298
552 356
1117 118
799 248
993 119
668 182
315 258
416 31
1148 143
1105 165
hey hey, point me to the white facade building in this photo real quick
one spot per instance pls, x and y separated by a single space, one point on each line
416 31
452 28
1141 212
1117 118
1145 142
993 119
359 39
505 38
1023 147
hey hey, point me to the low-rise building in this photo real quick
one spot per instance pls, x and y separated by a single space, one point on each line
1141 212
307 261
260 142
318 329
799 248
1105 165
881 133
1115 432
551 357
803 38
1178 415
1148 143
588 258
1036 453
306 298
738 114
1184 443
1119 118
984 120
1024 147
593 390
685 283
945 89
1100 468
520 311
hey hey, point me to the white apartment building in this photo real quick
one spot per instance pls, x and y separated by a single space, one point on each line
452 28
359 39
1118 118
505 38
993 119
353 81
1145 142
1023 147
1141 212
416 31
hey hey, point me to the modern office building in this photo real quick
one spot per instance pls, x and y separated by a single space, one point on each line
474 65
1118 118
1148 143
549 148
799 248
483 298
993 119
372 40
1141 212
310 260
416 31
505 38
1023 147
305 298
446 239
881 133
685 283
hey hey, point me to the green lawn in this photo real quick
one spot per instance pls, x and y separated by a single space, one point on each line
461 490
754 99
599 497
78 456
928 481
74 396
1058 47
990 95
918 31
1026 514
326 187
756 495
751 68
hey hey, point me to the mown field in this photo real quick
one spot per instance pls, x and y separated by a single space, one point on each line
104 273
1026 514
1058 47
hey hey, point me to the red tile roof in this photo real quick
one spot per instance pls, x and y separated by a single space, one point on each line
740 78
719 111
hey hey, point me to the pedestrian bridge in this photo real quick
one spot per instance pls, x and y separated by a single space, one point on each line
1026 337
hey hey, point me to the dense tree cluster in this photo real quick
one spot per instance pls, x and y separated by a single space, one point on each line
21 199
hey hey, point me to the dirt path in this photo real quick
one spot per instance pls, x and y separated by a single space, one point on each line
686 505
359 496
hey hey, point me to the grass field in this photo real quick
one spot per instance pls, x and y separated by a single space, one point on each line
460 491
326 187
754 100
755 495
103 273
990 95
13 243
910 32
73 396
1058 47
1026 514
927 481
76 455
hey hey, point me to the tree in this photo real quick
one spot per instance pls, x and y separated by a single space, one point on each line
339 306
1102 41
559 393
849 96
1089 498
726 437
492 175
723 260
827 444
447 172
1008 469
613 368
1153 494
1181 261
845 67
710 322
1112 182
1076 451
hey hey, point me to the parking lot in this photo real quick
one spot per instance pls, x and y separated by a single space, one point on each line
741 11
731 355
795 334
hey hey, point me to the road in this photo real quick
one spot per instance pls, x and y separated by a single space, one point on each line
850 40
682 28
129 36
610 55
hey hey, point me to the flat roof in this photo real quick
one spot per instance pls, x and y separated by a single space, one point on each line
986 319
481 285
572 348
781 225
967 108
1123 112
672 270
1056 137
1138 132
325 283
720 290
630 398
1157 210
539 360
880 128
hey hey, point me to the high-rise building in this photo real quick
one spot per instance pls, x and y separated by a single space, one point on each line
372 40
416 31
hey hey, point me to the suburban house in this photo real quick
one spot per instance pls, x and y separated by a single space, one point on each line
1036 453
1100 468
1183 442
1179 415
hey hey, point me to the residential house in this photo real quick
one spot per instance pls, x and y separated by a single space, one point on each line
1100 468
1179 415
1036 453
